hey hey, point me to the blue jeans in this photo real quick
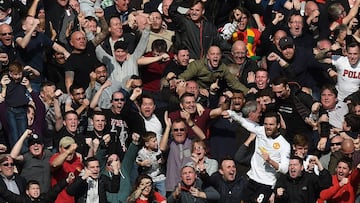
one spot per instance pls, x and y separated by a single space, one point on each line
17 122
160 186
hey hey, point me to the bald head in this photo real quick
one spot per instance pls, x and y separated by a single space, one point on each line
6 36
277 36
239 52
347 147
238 44
78 41
311 8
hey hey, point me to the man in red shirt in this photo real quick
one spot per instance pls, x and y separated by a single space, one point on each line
64 162
344 183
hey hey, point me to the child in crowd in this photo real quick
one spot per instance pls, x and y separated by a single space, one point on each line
149 159
17 99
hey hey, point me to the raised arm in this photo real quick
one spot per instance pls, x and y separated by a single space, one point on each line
102 56
352 13
141 46
60 159
95 100
103 25
69 79
58 117
15 152
165 138
246 124
58 48
24 41
33 7
146 60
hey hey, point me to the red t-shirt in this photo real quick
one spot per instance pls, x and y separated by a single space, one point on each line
157 197
61 173
200 121
151 73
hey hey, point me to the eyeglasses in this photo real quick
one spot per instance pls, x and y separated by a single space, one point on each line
118 99
335 143
8 164
6 33
179 129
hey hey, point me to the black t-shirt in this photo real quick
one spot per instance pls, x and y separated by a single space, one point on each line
16 95
82 65
119 132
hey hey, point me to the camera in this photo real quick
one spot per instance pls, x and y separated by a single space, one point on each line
27 74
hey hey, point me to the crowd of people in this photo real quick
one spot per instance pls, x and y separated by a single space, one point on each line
179 101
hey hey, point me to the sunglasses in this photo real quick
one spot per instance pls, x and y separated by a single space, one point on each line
179 129
335 143
7 33
8 164
118 99
67 147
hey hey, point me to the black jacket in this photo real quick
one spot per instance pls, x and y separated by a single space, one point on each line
305 188
44 198
197 40
230 192
20 182
79 188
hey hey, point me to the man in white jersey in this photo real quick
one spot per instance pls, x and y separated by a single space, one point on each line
271 155
348 71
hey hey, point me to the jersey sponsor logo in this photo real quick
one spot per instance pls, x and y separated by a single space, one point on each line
276 145
351 74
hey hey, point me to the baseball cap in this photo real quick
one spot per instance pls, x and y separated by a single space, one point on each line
120 45
5 5
34 139
286 42
66 141
189 164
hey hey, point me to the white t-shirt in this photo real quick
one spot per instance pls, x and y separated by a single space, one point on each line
348 77
277 148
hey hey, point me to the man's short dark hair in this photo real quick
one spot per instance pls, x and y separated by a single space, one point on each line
186 94
74 87
347 161
301 160
180 47
46 84
300 140
352 44
145 96
273 114
32 182
70 112
280 80
225 158
159 45
98 113
331 88
88 160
